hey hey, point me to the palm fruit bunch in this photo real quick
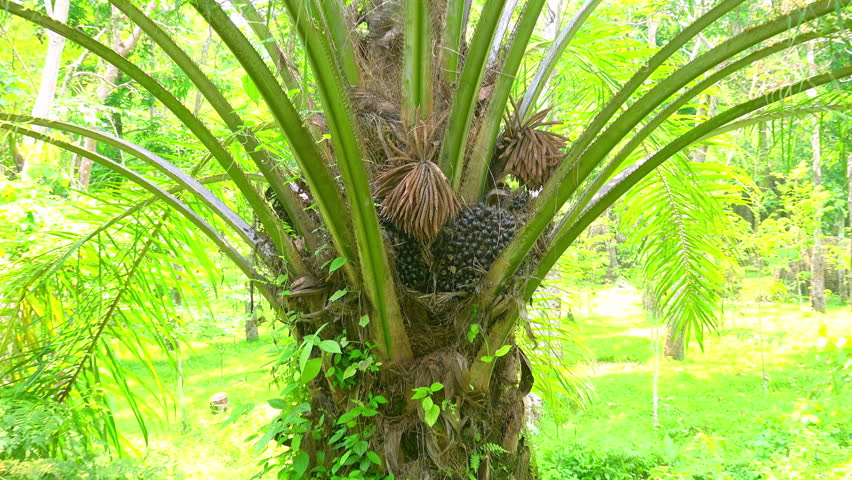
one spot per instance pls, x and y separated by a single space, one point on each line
468 246
462 252
439 247
410 265
520 200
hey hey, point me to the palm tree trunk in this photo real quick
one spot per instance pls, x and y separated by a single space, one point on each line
674 344
476 433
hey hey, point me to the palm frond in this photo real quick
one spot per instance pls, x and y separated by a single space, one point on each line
683 258
467 93
586 153
372 258
545 68
550 342
122 278
471 185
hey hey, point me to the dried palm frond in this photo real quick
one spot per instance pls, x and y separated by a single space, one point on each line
422 201
527 151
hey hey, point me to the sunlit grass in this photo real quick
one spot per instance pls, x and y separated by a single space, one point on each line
716 397
194 437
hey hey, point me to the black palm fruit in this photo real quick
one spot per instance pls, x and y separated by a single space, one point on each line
520 200
463 251
410 267
468 246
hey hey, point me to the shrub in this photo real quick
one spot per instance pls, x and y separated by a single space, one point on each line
583 462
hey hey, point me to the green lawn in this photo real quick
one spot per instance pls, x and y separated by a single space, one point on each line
715 419
195 442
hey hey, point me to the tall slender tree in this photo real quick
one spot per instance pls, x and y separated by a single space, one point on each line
43 106
123 47
817 253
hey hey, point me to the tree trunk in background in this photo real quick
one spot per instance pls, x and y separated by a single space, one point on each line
251 318
205 50
674 344
849 222
612 270
698 154
817 259
251 329
109 78
17 159
50 73
764 174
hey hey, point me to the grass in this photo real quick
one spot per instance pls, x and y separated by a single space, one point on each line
715 418
193 438
713 409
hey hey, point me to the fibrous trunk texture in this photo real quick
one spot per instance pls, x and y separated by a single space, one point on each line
475 434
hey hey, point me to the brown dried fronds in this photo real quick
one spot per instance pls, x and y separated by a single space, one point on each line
421 202
529 152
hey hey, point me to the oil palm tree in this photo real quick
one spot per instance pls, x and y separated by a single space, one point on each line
440 207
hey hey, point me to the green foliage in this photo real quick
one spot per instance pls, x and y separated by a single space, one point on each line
348 441
784 239
683 259
348 364
431 410
348 435
579 462
44 440
715 420
117 276
31 428
485 452
101 468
